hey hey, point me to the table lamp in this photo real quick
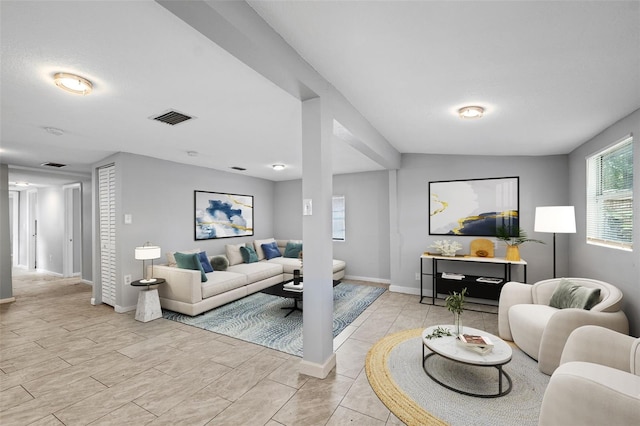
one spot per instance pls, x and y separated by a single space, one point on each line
147 252
555 219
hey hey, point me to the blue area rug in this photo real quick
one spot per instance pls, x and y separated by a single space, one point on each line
258 318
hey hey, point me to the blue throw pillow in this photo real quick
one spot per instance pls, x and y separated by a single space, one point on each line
190 261
293 250
271 250
249 255
204 261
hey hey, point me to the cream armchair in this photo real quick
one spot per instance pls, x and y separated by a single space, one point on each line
597 383
525 317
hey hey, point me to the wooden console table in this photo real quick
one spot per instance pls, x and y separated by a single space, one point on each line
475 288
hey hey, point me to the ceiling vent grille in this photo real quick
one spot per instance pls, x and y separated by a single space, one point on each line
56 165
172 117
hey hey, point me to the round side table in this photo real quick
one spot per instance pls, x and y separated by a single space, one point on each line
148 307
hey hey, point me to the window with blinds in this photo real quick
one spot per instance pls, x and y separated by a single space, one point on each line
338 216
610 196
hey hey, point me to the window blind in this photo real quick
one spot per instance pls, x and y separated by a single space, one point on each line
610 196
338 217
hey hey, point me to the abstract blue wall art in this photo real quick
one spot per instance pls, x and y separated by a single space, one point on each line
473 207
220 215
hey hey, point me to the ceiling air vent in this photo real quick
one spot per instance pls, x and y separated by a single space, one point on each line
172 117
56 165
242 169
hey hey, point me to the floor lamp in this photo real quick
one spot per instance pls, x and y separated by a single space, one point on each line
555 219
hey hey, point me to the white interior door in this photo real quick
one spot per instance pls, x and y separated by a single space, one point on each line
14 229
72 242
32 229
107 223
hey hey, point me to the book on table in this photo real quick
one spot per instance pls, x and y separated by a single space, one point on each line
452 276
480 344
293 287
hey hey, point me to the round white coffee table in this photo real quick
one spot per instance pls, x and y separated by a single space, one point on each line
450 348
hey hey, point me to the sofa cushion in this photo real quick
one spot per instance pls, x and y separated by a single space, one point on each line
570 295
257 245
288 264
219 263
171 259
204 261
248 254
292 249
271 250
233 253
257 271
190 261
222 281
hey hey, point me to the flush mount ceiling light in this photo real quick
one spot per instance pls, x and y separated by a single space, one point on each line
73 83
278 167
471 112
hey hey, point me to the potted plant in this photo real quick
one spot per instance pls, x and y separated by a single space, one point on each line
513 236
455 304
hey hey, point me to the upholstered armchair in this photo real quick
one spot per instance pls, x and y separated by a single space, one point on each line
597 382
540 330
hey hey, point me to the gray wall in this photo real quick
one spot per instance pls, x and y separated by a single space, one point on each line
543 181
618 267
366 248
6 285
160 197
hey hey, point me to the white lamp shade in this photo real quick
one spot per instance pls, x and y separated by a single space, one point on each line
558 219
147 252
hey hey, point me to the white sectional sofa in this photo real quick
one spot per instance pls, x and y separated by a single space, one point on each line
184 291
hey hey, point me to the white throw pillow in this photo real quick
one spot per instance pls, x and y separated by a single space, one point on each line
257 245
171 259
233 254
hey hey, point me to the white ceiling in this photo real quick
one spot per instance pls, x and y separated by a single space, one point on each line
550 74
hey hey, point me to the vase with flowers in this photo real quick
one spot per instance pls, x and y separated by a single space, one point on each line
513 237
455 304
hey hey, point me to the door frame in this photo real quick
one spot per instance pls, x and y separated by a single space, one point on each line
70 241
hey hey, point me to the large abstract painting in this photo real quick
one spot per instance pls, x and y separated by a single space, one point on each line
473 207
220 215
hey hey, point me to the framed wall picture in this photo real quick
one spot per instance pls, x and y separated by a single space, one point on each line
474 207
221 215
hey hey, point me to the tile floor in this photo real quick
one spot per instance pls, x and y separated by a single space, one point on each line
64 361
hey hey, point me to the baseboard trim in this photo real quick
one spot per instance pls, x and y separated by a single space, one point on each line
320 371
122 309
7 300
406 290
373 280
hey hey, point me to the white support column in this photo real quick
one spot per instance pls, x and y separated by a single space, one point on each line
317 186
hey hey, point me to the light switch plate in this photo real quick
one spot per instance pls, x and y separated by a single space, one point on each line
307 207
128 219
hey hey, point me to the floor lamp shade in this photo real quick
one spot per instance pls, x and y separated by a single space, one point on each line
147 253
555 219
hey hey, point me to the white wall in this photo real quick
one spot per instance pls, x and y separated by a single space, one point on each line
543 181
160 197
618 267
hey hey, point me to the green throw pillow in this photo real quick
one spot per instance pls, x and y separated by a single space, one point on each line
249 255
570 295
219 263
191 261
292 250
